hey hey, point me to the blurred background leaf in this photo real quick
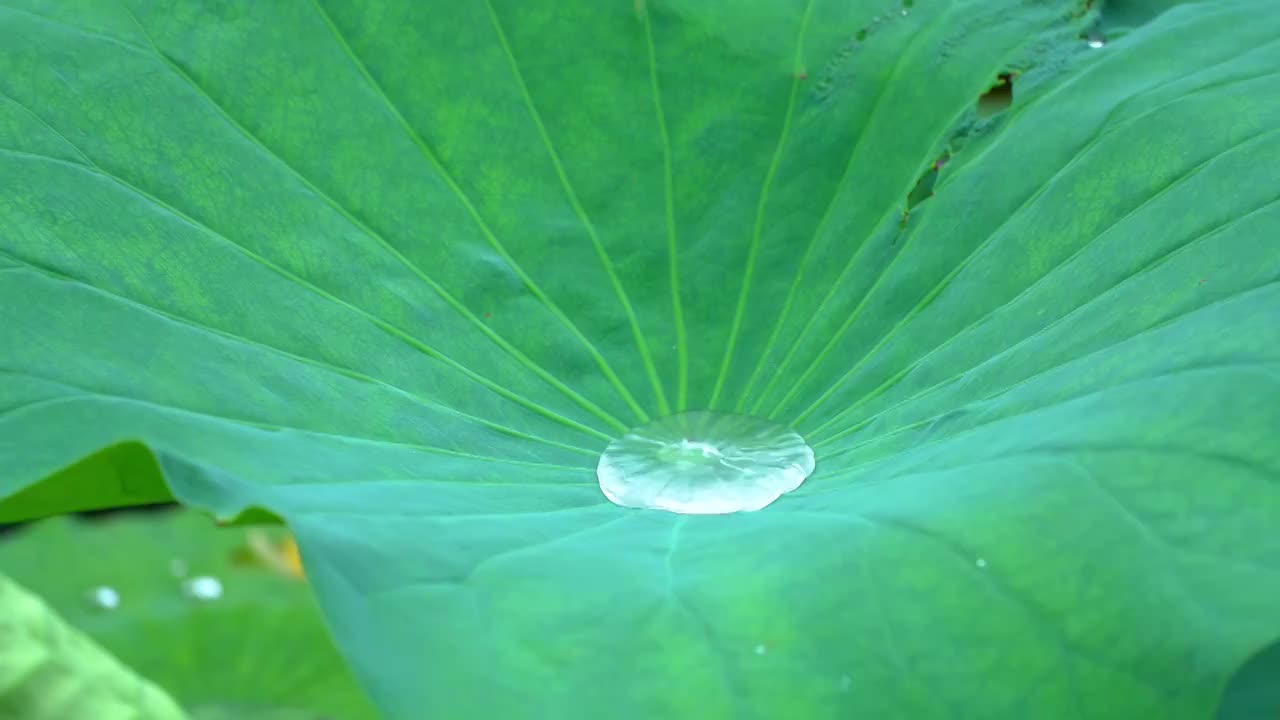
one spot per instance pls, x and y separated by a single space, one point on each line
50 671
218 617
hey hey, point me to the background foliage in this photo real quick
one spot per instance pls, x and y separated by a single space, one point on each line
257 651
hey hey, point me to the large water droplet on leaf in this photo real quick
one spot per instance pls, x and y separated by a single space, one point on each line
704 463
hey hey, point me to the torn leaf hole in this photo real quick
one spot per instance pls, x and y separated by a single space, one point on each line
998 98
924 187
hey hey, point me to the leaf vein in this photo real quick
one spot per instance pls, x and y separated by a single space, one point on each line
391 329
758 227
929 297
296 357
371 234
641 344
112 398
1141 273
876 107
474 213
673 267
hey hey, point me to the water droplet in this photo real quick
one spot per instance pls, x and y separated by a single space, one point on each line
981 562
1097 43
904 12
704 463
845 683
203 588
106 598
178 567
761 649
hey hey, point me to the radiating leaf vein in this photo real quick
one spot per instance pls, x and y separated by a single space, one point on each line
932 294
314 362
470 317
641 344
409 339
485 230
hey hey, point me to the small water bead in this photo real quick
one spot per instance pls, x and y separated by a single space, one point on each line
704 463
104 597
203 588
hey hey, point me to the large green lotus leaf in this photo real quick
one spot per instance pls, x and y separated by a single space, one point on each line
398 271
257 651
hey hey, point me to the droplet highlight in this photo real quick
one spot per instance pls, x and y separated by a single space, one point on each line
203 588
704 463
104 597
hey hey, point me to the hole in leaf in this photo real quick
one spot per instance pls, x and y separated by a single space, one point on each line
998 98
924 186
